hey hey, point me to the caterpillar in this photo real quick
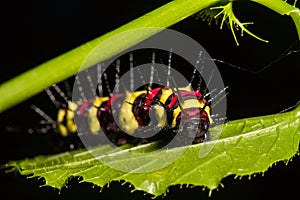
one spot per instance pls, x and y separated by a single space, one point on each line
154 111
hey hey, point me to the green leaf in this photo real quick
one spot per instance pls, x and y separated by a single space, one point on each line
240 147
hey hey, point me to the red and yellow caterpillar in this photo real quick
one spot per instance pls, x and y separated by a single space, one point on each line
190 116
133 116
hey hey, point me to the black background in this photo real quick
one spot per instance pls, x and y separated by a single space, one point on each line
35 31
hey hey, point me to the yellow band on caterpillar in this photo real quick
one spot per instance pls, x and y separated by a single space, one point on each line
190 103
93 121
67 116
127 119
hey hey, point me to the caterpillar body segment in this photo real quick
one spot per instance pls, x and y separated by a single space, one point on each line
152 112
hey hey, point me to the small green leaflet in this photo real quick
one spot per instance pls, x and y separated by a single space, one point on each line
244 147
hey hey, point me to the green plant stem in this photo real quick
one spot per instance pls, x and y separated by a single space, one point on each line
278 6
283 8
64 66
296 18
